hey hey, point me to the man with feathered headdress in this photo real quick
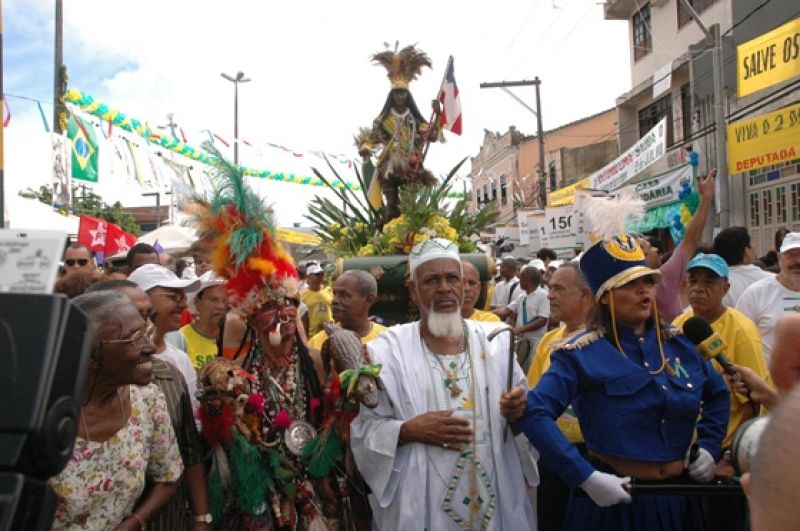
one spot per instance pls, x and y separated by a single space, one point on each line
400 129
260 411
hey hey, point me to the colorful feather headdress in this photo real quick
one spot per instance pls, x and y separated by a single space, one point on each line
404 66
237 227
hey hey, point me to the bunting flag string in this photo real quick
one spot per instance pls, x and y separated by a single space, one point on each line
44 117
114 117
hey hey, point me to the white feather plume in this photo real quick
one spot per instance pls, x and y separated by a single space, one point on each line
608 215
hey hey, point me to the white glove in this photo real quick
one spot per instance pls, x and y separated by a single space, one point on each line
703 468
606 489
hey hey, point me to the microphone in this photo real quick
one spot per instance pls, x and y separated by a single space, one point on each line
708 343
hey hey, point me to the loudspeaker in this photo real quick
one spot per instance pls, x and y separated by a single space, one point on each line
44 349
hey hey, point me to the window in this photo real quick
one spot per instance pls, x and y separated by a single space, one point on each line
553 176
795 203
652 114
503 189
754 221
767 196
494 190
642 42
780 200
698 5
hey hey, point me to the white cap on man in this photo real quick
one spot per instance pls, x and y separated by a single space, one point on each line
432 249
149 276
790 241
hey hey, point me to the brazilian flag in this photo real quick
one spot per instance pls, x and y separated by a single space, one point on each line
84 149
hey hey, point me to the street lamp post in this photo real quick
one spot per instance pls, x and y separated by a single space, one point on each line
236 80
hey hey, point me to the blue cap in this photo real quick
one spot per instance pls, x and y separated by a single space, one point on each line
714 262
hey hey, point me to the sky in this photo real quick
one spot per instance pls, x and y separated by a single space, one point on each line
313 84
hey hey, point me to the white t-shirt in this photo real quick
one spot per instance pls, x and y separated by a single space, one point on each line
503 294
531 305
181 361
742 277
764 302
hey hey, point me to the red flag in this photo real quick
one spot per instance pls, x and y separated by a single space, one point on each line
450 100
118 240
92 233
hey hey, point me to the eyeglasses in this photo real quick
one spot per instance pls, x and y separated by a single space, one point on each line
80 261
138 339
174 296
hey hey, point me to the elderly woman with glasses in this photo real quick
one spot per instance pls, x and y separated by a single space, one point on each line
125 439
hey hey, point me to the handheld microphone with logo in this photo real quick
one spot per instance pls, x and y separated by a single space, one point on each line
708 343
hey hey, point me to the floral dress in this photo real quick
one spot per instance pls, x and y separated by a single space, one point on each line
103 480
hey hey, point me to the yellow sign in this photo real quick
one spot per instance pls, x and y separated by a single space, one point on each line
566 195
764 140
769 59
296 237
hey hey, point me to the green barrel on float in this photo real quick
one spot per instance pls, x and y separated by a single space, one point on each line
394 304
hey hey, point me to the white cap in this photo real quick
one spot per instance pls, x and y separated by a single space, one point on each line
432 249
149 276
207 280
555 264
790 241
537 263
313 269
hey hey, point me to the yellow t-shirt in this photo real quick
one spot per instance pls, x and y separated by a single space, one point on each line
486 317
201 349
319 308
744 348
489 295
318 339
568 421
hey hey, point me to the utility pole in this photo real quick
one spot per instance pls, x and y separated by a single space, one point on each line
539 130
59 73
236 80
714 39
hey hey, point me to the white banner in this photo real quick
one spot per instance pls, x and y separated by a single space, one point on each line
639 156
558 226
662 189
522 223
62 170
534 232
537 232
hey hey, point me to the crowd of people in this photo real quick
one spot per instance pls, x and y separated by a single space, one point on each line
212 401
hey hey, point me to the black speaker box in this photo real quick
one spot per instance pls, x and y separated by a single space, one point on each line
44 349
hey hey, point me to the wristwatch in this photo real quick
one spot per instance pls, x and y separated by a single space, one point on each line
204 518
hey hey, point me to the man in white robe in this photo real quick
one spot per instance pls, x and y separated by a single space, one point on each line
435 451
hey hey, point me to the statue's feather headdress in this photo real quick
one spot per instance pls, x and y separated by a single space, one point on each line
404 66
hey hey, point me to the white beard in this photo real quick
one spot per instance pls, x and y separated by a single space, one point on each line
445 325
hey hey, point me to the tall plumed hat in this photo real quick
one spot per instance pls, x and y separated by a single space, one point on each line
404 66
616 257
239 230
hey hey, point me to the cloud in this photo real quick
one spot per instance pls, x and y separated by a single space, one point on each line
312 83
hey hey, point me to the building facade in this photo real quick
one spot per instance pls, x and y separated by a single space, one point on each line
672 76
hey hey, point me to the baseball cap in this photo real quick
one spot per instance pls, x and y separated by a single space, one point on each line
149 276
714 262
207 280
313 269
790 241
537 263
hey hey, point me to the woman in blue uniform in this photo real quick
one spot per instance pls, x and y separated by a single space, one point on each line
638 387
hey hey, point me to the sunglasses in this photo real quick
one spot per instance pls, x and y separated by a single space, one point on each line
139 338
266 317
174 296
72 262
